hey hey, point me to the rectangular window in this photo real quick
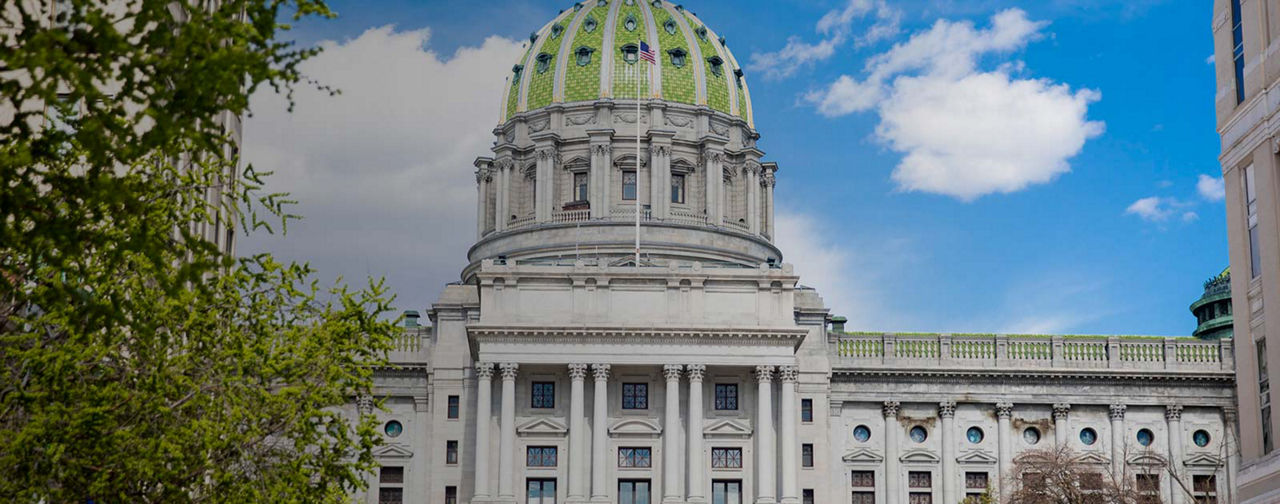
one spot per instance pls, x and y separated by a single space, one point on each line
633 491
1237 49
635 396
726 458
1091 481
635 457
726 396
390 495
1264 395
451 495
451 452
864 479
544 395
975 480
580 187
391 475
540 456
920 479
806 455
726 492
628 185
453 407
864 498
806 410
677 188
1148 482
541 491
806 496
1251 209
920 498
1205 488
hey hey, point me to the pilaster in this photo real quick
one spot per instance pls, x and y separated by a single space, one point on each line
765 457
892 438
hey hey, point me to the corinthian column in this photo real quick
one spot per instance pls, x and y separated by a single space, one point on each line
753 197
599 493
765 474
1060 412
1173 416
788 374
671 435
715 179
1004 411
503 195
544 183
1116 414
577 462
947 411
697 464
484 387
507 448
892 433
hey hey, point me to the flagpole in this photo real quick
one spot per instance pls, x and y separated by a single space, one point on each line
637 65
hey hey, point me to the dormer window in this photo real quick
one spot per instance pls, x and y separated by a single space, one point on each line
577 7
544 62
670 26
716 64
630 53
678 57
630 23
589 24
583 55
702 32
556 30
533 37
515 73
737 73
722 40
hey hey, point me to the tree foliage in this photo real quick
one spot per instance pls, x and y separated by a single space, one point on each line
141 363
1059 476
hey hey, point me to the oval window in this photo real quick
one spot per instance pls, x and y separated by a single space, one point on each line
1031 435
702 32
975 435
670 26
1201 438
515 73
393 428
630 23
589 24
556 30
544 62
583 55
1145 437
918 434
1088 436
862 433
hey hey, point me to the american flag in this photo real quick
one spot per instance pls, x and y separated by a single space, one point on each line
646 53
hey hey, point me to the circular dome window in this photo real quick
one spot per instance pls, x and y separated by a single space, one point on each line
1145 437
975 435
1031 435
862 433
1201 438
1088 436
393 428
918 434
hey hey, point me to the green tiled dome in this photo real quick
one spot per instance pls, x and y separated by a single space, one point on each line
588 52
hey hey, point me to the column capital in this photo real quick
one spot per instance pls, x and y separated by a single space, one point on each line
947 409
508 370
420 403
1173 412
364 404
1117 411
672 372
484 369
1061 410
600 371
788 374
1004 410
577 371
890 409
1229 413
695 372
764 374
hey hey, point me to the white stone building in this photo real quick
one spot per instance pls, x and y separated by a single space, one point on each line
561 369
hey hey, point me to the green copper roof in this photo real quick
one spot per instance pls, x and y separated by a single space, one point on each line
584 54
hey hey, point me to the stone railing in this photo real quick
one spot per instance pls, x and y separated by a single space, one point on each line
623 214
520 222
580 215
687 217
733 224
1020 351
411 346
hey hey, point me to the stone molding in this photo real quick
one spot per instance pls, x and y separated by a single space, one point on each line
1116 412
788 374
1004 410
890 409
947 409
600 372
484 369
577 371
364 404
509 370
1173 412
630 334
1061 411
764 374
420 404
672 372
696 372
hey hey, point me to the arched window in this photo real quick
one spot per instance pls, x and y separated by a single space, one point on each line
678 57
702 32
670 26
515 73
583 55
589 24
716 65
556 30
544 62
630 53
630 23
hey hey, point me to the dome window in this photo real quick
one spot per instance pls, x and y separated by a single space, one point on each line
630 23
556 30
678 57
722 41
629 2
657 3
515 73
589 24
602 3
670 26
533 37
737 74
583 55
702 32
630 53
544 62
716 65
577 7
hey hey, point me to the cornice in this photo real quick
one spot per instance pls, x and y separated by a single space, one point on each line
1115 375
782 334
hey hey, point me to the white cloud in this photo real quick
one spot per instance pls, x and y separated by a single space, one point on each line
1211 188
1190 216
836 26
385 167
1153 208
964 132
1209 60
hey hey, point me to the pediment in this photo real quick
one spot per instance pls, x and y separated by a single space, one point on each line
976 457
727 427
862 456
920 456
1146 459
636 427
392 451
542 427
1203 460
1093 458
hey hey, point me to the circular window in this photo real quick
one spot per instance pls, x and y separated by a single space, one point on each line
975 435
1031 435
1088 436
862 433
918 434
393 428
1201 438
1145 437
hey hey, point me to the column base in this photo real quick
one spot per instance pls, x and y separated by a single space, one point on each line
575 499
766 500
672 500
696 500
600 499
789 500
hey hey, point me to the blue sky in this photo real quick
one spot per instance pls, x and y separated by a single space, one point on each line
1119 244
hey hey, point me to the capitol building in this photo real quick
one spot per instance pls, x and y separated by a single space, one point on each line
565 367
